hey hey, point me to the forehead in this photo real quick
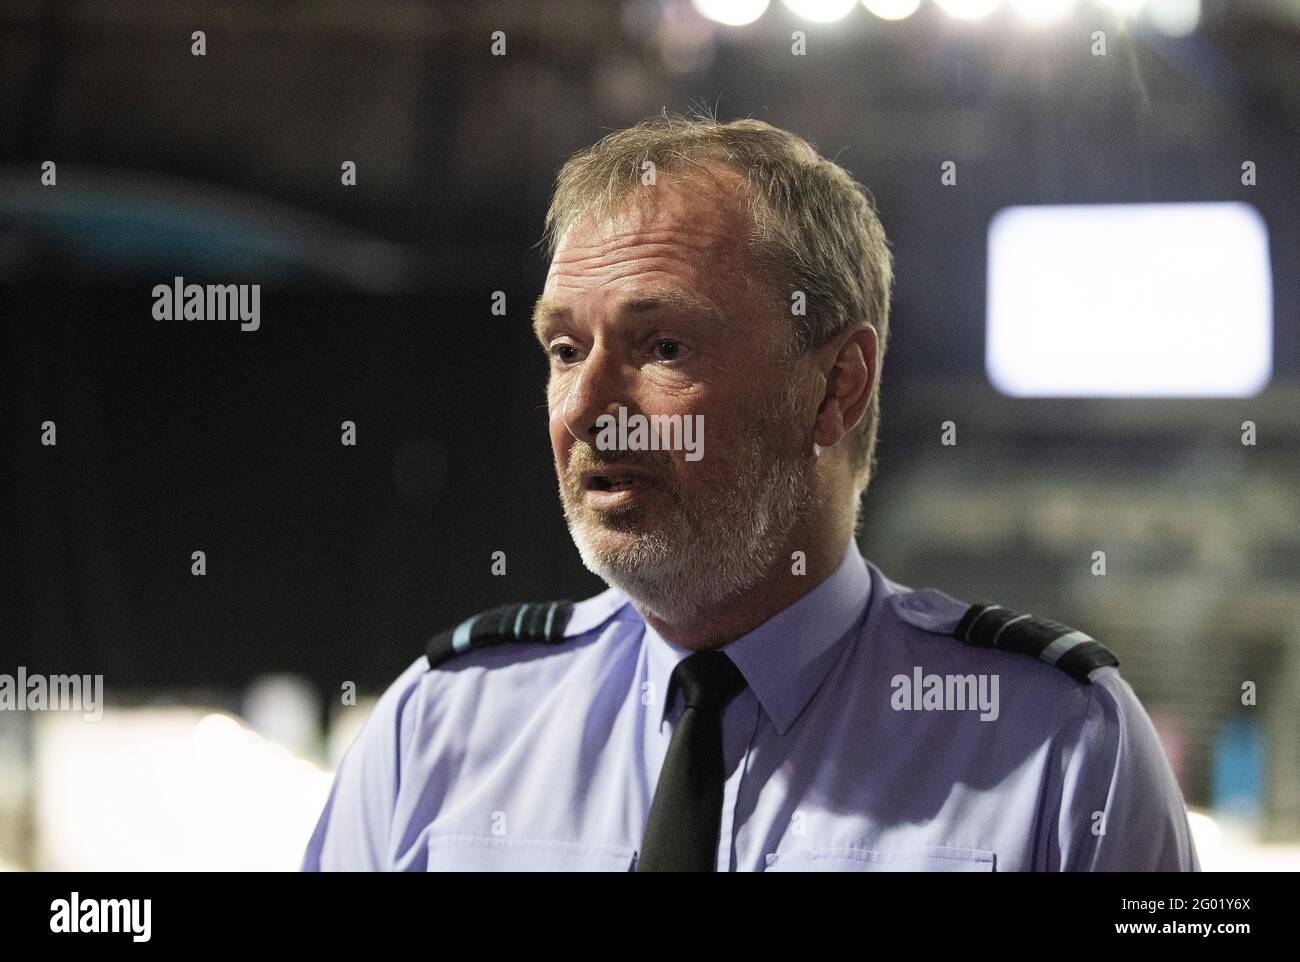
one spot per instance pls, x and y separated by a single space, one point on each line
692 232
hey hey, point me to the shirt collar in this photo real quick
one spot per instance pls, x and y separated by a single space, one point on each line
594 612
785 659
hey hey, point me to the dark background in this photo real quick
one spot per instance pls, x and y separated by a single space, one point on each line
336 563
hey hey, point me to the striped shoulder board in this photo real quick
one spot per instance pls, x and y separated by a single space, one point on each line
540 623
986 625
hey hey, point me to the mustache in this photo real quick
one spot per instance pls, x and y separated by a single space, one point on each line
584 457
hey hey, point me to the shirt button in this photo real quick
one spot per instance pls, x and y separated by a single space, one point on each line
770 858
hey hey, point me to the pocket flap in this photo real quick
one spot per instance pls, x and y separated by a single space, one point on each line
487 853
932 858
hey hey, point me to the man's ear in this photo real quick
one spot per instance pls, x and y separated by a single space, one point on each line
848 362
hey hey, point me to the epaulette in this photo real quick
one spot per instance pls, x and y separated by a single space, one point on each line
543 622
986 625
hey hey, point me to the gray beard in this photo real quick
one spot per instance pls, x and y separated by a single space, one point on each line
714 550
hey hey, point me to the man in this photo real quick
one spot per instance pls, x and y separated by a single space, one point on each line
749 694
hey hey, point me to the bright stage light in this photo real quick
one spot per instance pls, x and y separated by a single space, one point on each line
169 789
1175 18
892 9
1125 8
1129 300
968 9
1042 11
820 11
733 13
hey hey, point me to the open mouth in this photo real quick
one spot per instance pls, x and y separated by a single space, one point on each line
604 482
612 482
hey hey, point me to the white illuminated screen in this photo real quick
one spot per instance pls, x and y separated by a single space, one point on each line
1129 300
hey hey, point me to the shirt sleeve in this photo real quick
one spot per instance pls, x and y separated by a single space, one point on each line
1121 809
354 828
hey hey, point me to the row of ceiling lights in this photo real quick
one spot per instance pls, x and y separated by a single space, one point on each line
1173 17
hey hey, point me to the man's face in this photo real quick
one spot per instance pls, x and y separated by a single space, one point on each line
658 311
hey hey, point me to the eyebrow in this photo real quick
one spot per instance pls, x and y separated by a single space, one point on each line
668 298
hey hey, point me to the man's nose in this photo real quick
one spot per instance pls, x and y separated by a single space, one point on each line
598 387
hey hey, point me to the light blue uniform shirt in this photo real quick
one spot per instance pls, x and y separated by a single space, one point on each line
546 757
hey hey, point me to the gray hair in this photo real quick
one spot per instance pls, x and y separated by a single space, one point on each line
815 227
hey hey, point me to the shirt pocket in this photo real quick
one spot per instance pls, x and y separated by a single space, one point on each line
930 858
487 853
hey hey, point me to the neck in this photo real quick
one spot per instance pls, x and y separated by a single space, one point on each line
823 544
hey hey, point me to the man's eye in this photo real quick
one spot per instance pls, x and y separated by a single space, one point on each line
564 353
668 350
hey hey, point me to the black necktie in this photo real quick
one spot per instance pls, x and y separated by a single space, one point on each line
682 834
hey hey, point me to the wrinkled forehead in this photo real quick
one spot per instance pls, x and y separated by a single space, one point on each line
705 211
